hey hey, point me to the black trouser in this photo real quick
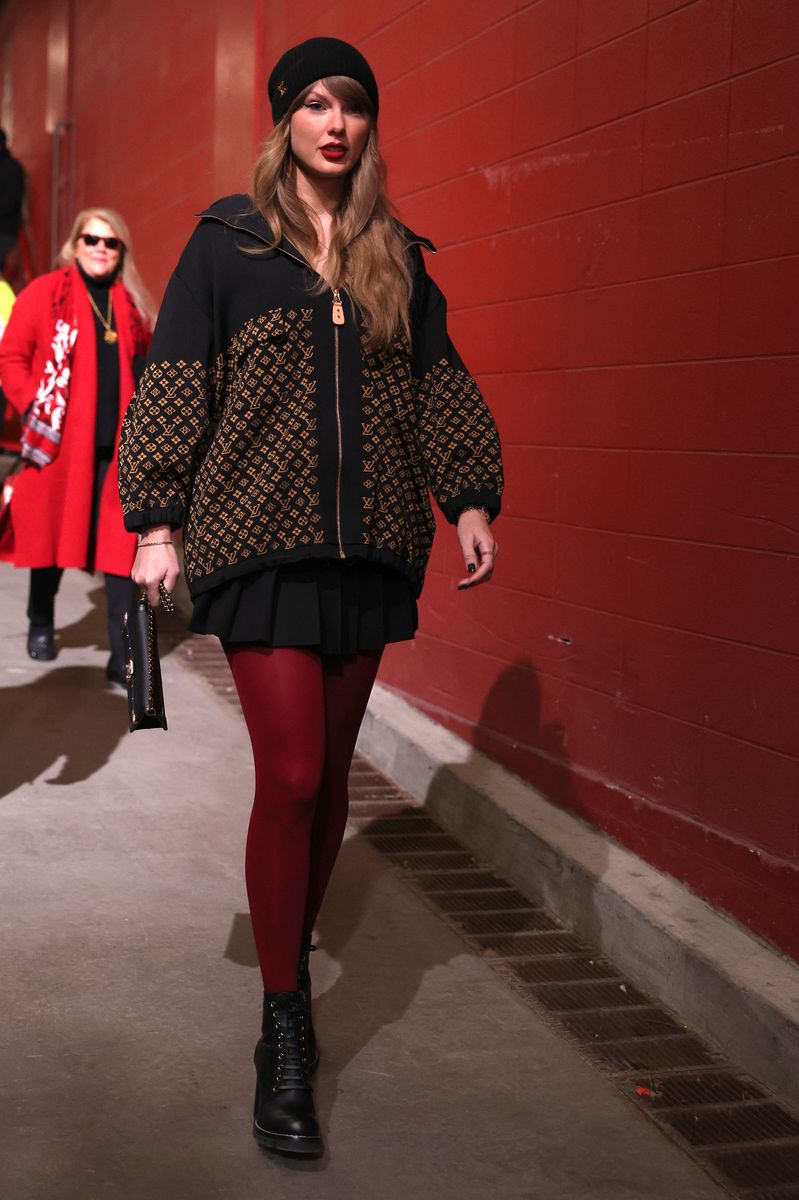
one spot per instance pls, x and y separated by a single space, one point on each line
119 589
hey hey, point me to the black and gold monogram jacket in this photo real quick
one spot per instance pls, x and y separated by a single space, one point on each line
264 427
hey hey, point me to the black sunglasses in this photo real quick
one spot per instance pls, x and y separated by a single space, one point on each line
112 243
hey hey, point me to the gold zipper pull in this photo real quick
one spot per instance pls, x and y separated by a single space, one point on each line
338 308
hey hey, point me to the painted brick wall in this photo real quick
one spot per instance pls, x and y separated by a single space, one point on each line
612 185
143 119
614 189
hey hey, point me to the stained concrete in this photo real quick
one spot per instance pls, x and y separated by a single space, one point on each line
130 993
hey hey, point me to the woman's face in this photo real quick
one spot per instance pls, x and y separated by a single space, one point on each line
328 136
98 260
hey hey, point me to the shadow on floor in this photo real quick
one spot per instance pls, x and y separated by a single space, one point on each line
69 714
382 963
380 973
90 630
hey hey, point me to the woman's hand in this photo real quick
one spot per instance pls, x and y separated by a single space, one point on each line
478 546
156 562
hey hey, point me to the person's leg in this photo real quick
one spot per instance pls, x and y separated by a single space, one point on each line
347 685
120 592
282 697
44 583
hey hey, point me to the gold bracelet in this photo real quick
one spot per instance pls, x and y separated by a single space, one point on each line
168 542
475 508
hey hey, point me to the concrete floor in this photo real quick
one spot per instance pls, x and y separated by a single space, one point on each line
131 998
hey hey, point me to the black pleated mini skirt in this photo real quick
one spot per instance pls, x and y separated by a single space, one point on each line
334 607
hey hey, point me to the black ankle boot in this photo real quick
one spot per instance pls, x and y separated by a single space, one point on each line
41 642
309 1046
284 1117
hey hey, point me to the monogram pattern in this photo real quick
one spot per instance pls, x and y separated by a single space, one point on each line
235 448
396 506
257 490
457 434
164 433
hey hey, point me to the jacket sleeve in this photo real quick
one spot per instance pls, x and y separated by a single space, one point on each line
167 424
18 347
457 434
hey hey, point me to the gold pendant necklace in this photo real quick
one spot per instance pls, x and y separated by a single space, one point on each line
110 334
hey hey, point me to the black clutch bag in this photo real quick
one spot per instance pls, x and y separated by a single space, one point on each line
143 666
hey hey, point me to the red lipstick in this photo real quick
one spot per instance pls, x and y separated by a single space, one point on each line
334 151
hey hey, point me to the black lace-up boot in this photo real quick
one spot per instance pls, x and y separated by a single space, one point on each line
310 1047
284 1117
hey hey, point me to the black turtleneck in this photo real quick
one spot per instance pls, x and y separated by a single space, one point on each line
107 365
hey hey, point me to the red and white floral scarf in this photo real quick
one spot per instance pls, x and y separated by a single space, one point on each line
44 422
41 433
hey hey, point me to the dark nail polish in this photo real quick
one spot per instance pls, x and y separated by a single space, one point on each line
471 567
462 587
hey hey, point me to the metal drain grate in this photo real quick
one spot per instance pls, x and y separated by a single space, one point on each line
563 968
515 945
738 1132
723 1126
761 1167
582 997
689 1091
366 810
644 1054
486 900
460 881
451 860
614 1025
400 843
402 825
516 922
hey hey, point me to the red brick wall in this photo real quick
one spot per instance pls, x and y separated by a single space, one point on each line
614 189
612 185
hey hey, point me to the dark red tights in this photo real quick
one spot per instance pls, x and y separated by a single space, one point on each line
303 713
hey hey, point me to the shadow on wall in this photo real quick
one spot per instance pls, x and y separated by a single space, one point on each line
511 726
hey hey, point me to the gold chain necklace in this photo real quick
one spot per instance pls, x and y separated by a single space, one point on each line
110 334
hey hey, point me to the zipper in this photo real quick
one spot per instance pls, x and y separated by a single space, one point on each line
338 318
337 314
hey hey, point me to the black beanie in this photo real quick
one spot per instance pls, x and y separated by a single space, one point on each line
318 58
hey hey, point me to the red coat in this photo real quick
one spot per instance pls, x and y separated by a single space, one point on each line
51 506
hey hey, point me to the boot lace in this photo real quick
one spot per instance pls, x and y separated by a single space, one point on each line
289 1025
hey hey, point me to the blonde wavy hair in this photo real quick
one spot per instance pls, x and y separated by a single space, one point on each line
367 254
128 273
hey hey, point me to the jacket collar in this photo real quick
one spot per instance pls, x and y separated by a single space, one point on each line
238 212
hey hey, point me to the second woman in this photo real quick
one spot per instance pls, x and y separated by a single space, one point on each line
67 364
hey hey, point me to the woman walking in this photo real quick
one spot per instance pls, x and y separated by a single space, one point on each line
300 395
67 365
